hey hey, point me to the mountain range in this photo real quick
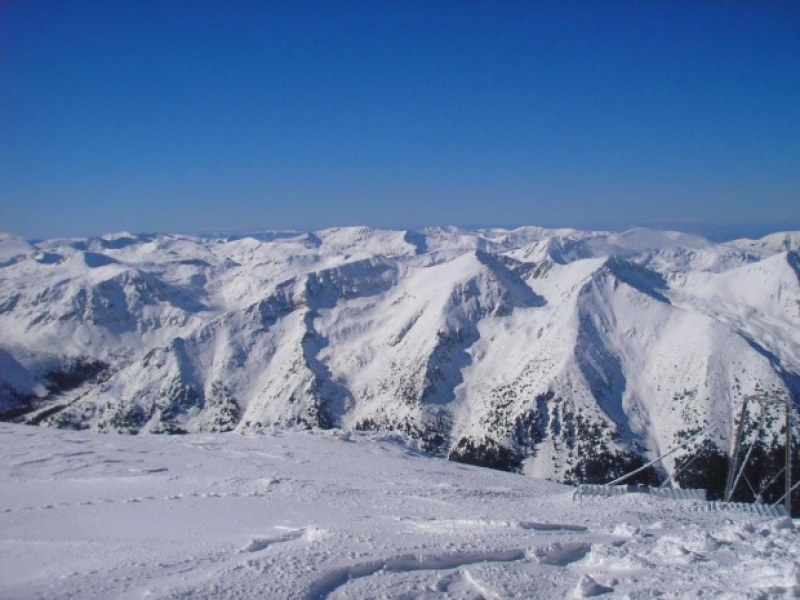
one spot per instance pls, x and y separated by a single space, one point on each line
563 354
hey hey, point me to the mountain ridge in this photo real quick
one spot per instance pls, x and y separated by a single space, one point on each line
564 354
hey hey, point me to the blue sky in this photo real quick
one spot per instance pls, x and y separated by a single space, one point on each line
200 116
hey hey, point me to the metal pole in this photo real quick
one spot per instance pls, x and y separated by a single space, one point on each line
735 451
741 469
681 470
789 454
782 498
655 460
771 481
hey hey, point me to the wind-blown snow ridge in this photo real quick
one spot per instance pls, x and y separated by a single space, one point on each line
564 354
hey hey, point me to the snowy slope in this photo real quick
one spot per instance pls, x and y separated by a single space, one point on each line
769 244
565 354
331 515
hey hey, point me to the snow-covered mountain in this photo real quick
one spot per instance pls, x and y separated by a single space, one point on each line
565 354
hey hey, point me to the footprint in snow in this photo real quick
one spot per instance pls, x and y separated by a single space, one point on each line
587 587
257 544
561 555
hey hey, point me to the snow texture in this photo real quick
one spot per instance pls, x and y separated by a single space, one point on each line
315 515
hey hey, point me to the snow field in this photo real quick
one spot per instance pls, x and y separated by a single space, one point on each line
311 515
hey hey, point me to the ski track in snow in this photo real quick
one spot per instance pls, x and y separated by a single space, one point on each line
310 515
329 583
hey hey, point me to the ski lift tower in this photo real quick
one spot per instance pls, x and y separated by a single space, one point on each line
736 470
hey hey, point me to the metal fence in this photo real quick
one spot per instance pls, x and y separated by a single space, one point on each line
755 508
588 489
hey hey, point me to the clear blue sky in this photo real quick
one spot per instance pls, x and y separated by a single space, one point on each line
189 116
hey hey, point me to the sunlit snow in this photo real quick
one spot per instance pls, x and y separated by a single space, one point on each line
327 515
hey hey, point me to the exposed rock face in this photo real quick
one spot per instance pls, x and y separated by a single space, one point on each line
563 354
